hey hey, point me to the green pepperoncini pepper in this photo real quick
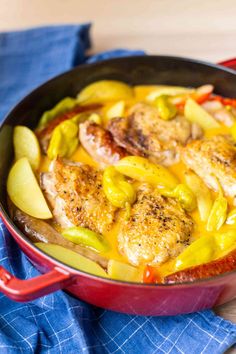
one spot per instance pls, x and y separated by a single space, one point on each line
166 109
86 237
184 195
117 190
61 107
64 140
206 249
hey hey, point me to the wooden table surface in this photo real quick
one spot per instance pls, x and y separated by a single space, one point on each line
192 28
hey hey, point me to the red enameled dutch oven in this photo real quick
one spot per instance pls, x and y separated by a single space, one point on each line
114 295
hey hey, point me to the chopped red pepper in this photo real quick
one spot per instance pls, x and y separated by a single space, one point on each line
200 95
201 98
151 275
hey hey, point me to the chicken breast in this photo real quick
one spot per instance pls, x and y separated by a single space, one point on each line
213 158
75 193
144 133
99 143
157 230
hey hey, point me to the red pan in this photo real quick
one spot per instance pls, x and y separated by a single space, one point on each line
132 298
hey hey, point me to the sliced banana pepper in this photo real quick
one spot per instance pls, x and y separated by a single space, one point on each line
206 249
117 190
64 140
184 195
84 236
61 107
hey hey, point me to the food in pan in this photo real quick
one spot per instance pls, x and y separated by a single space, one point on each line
131 183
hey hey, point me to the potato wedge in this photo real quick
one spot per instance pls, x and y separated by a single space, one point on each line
167 90
72 259
116 110
103 91
26 145
143 170
24 191
122 271
196 114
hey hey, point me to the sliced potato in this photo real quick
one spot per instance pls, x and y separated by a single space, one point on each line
26 145
141 169
103 91
122 271
205 249
24 191
72 258
116 110
196 114
167 90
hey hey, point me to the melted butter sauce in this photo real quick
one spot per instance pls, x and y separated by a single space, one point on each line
80 155
178 170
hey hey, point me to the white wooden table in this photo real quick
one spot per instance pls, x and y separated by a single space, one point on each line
192 28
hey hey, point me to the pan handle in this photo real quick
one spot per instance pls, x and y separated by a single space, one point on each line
230 63
30 289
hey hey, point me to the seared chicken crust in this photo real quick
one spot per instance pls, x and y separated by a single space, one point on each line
144 133
99 143
75 193
157 230
158 227
213 158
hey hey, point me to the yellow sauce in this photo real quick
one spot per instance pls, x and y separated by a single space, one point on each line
222 130
80 155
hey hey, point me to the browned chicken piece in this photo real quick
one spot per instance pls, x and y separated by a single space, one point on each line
213 159
157 230
44 134
144 133
75 193
99 143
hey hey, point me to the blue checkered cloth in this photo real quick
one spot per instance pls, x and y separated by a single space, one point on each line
59 323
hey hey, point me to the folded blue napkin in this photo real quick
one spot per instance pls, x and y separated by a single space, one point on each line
59 323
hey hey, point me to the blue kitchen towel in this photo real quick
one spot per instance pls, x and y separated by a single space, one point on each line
59 323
